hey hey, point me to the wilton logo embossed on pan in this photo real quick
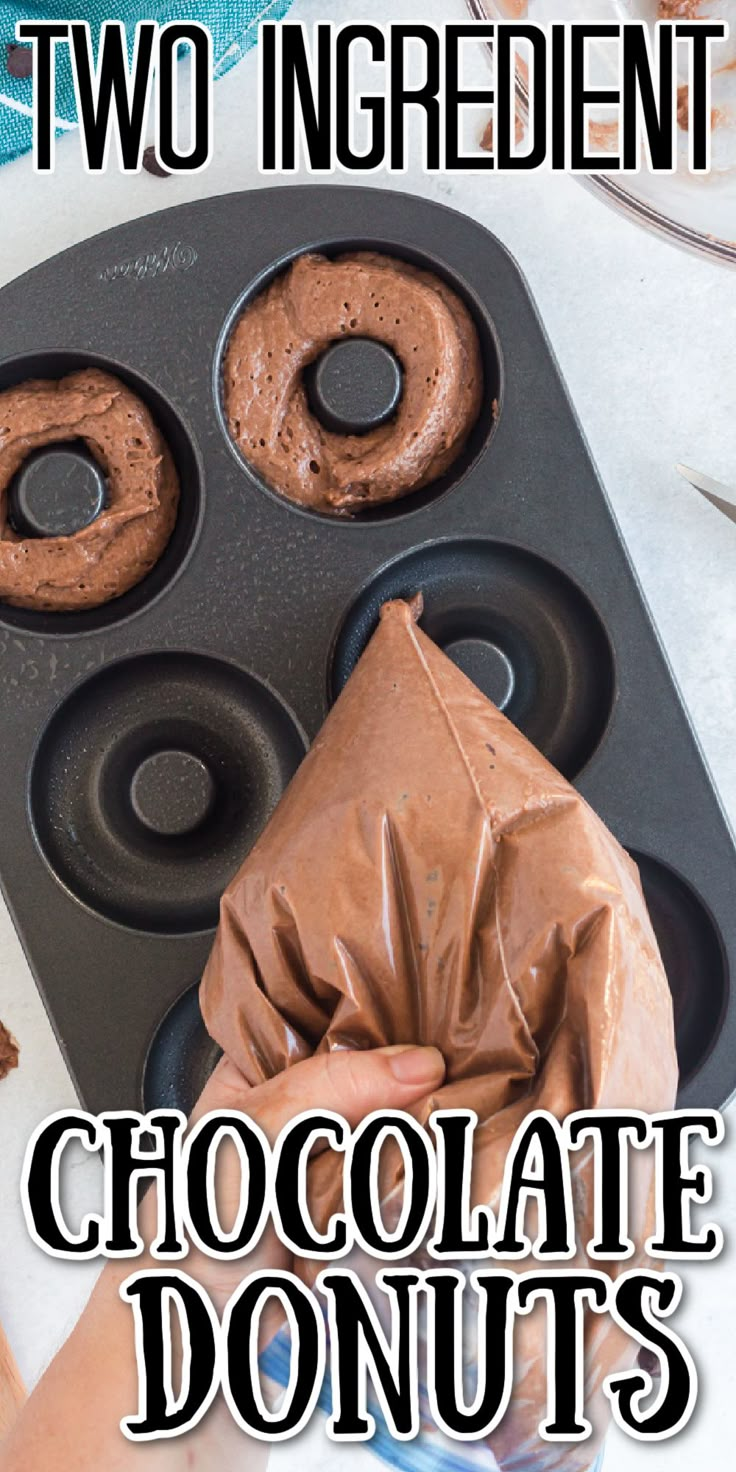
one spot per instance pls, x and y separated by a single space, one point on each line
150 263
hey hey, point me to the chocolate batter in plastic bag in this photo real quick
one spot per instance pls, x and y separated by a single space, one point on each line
430 878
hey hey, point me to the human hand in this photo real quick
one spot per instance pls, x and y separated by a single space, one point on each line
61 1425
352 1084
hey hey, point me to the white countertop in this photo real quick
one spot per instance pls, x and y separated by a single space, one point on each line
646 338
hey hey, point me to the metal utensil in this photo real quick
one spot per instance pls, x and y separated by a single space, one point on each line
719 495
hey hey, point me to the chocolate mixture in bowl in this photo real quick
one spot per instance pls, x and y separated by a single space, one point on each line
104 559
315 303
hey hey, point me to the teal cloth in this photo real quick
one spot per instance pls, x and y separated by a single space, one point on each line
233 23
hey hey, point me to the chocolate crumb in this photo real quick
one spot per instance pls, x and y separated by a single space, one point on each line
603 137
680 9
19 60
8 1052
683 107
487 139
151 164
648 1361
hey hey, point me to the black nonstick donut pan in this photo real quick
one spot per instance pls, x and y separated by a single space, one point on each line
145 743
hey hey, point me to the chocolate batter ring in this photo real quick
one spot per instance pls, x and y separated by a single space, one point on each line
320 301
103 560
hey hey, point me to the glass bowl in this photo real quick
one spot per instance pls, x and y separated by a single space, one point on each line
698 212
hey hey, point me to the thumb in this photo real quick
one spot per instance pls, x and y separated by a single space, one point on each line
352 1084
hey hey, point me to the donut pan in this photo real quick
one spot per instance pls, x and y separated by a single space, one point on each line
146 742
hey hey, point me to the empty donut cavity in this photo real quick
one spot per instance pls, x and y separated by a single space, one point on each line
153 780
693 958
180 1058
516 625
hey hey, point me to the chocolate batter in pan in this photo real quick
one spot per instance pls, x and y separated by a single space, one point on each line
313 304
115 551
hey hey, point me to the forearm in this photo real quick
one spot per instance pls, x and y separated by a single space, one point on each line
71 1422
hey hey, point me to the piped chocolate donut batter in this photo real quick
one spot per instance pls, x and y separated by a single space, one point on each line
117 549
317 302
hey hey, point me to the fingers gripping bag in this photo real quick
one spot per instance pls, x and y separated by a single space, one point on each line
429 878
